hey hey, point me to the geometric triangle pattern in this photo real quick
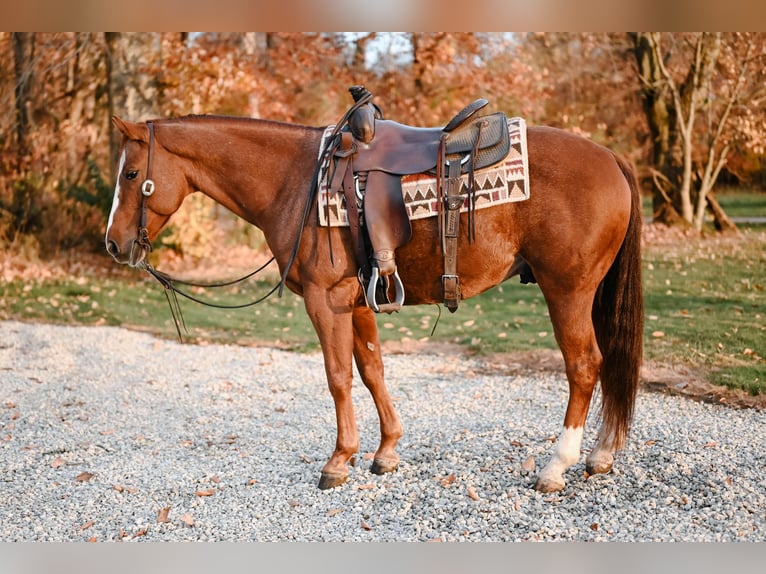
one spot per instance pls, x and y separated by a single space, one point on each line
504 182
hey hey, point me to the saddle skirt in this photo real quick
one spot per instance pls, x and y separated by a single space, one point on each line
504 182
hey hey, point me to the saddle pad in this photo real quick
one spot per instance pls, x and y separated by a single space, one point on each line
504 182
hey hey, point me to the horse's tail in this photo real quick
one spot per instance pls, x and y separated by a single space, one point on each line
618 318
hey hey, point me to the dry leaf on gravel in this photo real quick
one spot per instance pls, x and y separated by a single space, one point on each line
472 493
84 476
208 492
447 480
529 464
162 515
187 519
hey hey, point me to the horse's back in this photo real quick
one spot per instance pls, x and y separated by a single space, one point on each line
571 225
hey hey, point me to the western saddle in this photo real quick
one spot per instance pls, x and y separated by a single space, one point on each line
370 156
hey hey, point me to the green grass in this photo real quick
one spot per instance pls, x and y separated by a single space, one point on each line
735 203
705 308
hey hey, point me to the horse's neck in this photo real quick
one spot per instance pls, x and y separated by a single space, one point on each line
259 170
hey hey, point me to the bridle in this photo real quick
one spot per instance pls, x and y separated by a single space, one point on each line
142 242
147 190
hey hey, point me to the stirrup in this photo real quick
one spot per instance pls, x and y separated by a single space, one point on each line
372 288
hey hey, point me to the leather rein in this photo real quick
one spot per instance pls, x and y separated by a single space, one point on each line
169 283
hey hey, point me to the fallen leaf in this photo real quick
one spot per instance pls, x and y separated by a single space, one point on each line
208 492
87 525
365 526
529 464
140 533
516 443
57 462
162 515
334 511
551 439
711 444
472 493
252 481
128 489
84 476
215 479
187 519
594 526
447 480
658 334
92 539
650 442
368 486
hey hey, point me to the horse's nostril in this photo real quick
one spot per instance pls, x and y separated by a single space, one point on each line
112 248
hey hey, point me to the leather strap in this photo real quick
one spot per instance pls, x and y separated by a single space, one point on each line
453 201
348 184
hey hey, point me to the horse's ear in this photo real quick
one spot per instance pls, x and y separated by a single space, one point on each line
131 130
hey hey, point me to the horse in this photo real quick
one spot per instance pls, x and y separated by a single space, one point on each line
578 235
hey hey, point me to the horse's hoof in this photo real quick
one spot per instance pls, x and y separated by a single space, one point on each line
331 480
597 467
383 465
549 484
599 463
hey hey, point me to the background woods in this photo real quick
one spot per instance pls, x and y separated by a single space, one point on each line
686 108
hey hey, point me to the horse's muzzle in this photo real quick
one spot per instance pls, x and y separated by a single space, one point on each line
134 257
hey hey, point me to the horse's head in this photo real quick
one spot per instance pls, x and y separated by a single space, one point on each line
151 186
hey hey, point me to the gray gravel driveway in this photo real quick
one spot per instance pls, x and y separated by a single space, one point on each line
110 434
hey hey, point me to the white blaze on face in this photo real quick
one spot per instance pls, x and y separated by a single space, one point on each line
116 200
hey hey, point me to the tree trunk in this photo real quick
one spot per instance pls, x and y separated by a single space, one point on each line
662 123
24 213
23 56
721 221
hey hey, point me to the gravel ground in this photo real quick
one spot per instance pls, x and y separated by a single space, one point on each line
110 434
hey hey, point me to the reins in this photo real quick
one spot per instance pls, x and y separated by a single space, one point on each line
169 283
328 142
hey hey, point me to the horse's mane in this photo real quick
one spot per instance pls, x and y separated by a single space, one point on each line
205 118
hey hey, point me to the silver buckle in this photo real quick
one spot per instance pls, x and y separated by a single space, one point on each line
147 188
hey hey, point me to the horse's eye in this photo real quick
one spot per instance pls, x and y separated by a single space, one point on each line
131 175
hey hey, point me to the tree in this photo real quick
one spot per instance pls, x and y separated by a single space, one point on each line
701 95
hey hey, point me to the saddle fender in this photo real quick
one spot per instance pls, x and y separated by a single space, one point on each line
388 225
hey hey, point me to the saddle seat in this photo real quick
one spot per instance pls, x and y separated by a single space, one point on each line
372 155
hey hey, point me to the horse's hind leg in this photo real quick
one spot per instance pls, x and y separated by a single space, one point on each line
369 361
572 323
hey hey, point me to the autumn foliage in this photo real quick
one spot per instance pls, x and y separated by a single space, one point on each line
59 90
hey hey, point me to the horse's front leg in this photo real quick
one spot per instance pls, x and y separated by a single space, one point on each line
330 312
369 362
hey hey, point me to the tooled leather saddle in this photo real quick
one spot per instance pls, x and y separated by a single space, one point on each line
372 154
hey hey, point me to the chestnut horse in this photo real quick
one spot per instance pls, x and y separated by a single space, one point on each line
578 234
